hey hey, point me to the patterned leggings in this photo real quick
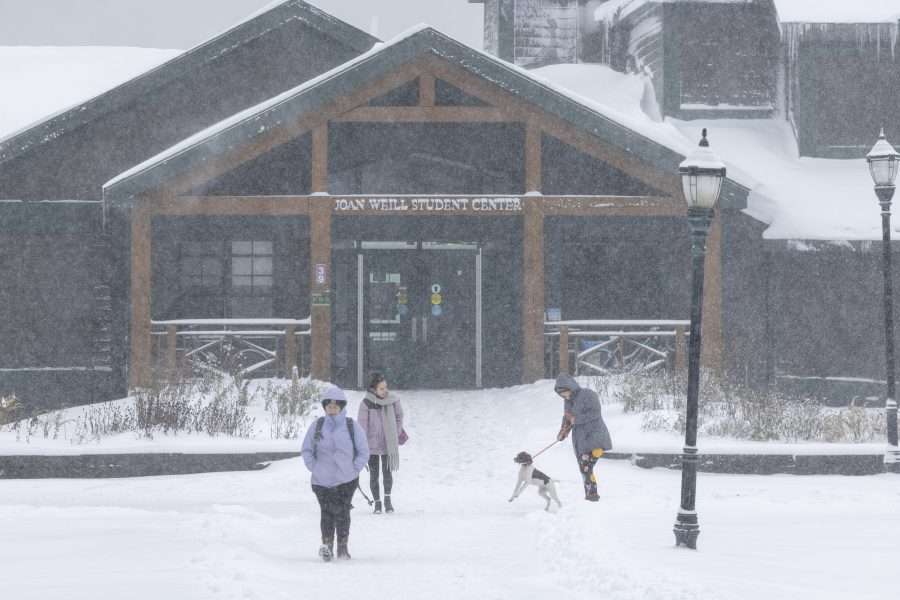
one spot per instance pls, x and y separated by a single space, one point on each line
586 464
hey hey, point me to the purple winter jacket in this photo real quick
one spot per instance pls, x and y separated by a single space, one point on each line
370 420
334 462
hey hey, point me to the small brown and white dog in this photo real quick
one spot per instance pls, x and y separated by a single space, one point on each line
528 475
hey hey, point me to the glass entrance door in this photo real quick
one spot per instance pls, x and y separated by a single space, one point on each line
420 322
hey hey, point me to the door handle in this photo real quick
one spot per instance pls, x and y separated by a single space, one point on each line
425 329
413 328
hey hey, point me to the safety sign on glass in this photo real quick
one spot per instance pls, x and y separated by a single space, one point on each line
321 274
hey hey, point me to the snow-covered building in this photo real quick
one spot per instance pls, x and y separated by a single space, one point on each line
828 66
315 197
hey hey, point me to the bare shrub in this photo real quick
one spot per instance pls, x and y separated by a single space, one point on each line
287 404
737 411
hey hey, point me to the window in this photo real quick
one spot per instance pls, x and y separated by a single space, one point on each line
201 266
251 278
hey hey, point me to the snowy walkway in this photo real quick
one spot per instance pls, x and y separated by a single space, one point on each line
254 534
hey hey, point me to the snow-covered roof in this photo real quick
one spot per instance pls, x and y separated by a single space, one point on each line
178 64
797 197
661 148
838 11
54 79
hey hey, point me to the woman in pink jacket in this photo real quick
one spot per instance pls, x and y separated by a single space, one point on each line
381 417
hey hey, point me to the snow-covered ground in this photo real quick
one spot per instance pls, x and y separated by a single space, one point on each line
255 534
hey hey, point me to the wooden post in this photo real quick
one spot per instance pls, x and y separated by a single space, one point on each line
320 259
564 349
140 371
533 292
301 355
320 159
290 349
426 90
172 352
680 349
713 349
533 182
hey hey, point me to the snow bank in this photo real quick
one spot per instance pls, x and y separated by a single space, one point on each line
526 406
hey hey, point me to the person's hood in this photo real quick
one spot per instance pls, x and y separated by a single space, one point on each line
564 380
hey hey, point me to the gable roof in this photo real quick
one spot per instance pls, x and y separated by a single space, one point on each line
254 27
199 149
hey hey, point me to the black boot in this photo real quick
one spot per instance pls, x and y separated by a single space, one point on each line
377 510
342 551
326 550
388 507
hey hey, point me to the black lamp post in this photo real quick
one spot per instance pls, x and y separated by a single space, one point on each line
702 175
883 163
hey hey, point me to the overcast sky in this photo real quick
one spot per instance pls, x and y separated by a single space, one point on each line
185 23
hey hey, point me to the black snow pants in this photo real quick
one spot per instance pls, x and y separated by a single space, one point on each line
334 504
373 475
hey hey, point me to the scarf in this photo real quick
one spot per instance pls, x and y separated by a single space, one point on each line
389 421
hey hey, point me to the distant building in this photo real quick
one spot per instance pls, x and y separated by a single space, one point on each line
830 68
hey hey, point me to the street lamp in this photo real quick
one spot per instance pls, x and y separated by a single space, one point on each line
702 174
883 161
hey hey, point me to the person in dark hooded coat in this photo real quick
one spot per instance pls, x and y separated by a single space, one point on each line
590 437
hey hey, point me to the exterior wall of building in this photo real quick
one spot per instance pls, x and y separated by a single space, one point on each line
618 267
51 259
720 60
825 307
172 296
546 32
842 85
745 283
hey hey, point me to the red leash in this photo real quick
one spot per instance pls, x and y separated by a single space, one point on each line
533 456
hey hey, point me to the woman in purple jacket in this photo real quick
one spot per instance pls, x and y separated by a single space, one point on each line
335 450
382 419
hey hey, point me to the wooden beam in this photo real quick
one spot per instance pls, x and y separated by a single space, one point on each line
533 154
614 206
426 89
320 284
712 350
320 159
533 292
140 372
233 205
291 130
424 114
669 183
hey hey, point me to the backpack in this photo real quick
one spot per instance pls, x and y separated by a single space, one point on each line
320 422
